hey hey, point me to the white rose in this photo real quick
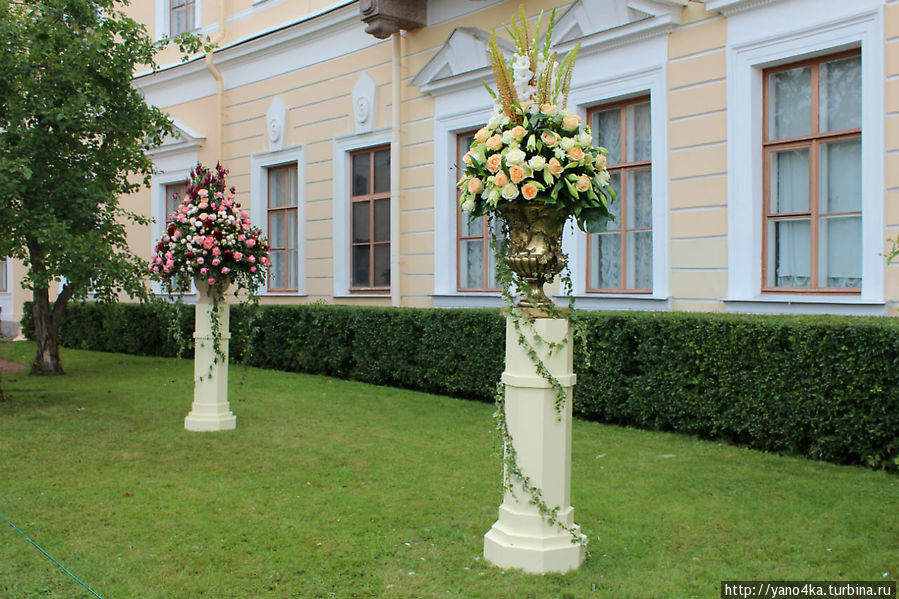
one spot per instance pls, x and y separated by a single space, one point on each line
468 205
515 156
537 163
603 177
494 121
567 143
584 139
510 191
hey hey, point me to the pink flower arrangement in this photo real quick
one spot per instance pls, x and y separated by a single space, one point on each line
210 238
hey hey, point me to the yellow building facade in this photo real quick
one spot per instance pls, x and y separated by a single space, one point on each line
754 145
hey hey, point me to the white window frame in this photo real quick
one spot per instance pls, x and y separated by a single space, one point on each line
766 36
259 165
158 186
163 18
626 71
343 147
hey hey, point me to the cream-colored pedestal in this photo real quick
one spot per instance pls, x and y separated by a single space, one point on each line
521 537
210 411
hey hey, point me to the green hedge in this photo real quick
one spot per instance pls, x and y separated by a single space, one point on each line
823 387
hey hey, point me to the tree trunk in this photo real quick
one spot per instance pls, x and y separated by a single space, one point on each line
46 329
2 397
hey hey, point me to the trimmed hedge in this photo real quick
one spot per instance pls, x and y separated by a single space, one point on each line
823 387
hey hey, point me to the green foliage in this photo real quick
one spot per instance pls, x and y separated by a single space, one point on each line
823 387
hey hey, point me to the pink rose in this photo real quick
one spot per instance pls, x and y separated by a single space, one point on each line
204 270
252 269
208 242
216 251
251 258
216 261
251 242
211 280
225 270
238 255
200 260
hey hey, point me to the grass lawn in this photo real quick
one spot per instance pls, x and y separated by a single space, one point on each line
330 488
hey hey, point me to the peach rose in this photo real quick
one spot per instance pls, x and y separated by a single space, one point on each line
583 183
494 163
475 185
600 161
482 135
576 154
495 142
467 158
555 167
548 138
519 132
500 179
529 191
548 108
516 173
571 122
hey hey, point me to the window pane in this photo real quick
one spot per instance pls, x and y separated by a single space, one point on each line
471 264
464 145
495 229
382 171
179 21
361 173
292 186
3 269
639 199
173 196
615 207
291 280
382 220
789 249
382 265
276 271
361 222
789 181
840 251
639 260
276 187
276 229
360 265
605 264
607 129
291 217
473 227
638 144
841 176
841 94
790 103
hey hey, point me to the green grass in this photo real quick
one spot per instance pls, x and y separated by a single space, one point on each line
330 488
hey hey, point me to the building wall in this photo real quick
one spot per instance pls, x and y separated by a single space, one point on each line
312 54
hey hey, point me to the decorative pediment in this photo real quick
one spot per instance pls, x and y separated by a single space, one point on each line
728 7
606 23
461 59
184 138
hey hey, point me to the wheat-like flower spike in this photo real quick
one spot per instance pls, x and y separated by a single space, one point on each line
544 88
568 72
547 42
489 90
504 85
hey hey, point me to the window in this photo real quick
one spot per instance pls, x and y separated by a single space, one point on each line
619 260
4 285
812 234
174 193
476 261
370 220
282 228
181 16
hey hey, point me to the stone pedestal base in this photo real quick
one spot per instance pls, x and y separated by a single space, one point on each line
210 410
521 537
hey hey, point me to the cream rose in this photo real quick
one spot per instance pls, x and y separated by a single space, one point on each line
600 162
468 204
529 191
603 178
510 191
494 163
515 156
537 163
566 143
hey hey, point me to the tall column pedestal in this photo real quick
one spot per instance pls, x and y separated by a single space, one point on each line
521 537
210 410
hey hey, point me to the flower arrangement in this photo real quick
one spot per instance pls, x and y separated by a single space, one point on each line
533 149
210 238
